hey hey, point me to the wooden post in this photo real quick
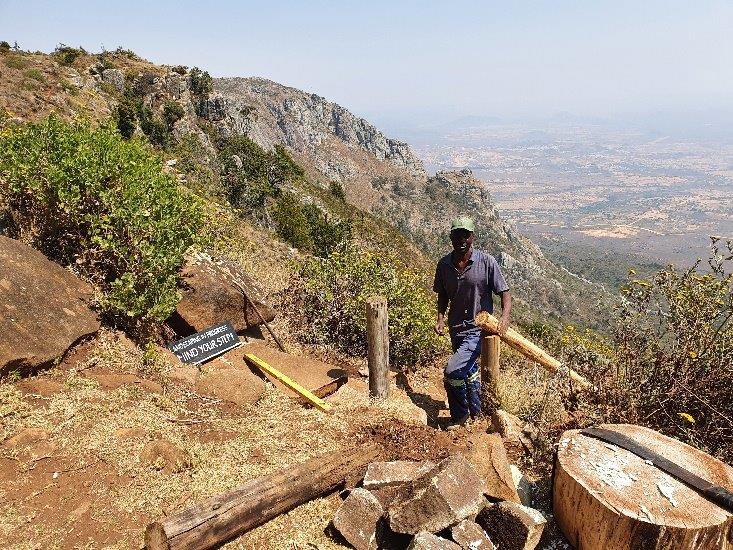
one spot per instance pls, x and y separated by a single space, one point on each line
378 347
490 351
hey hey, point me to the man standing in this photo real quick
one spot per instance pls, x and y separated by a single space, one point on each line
467 279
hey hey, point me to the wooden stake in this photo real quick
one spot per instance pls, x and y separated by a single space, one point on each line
252 359
226 516
490 351
378 347
490 323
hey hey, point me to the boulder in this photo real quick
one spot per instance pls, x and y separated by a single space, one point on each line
449 493
43 309
507 425
470 536
399 472
360 520
487 454
237 386
523 485
164 455
511 526
427 541
512 429
210 296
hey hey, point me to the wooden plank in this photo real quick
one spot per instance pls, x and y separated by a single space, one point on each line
490 323
224 517
378 347
292 384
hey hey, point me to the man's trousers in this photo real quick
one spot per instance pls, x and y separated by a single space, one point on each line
462 375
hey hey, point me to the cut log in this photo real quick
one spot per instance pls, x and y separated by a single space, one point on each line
226 516
607 498
489 323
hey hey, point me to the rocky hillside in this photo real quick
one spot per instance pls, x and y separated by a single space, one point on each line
384 177
379 175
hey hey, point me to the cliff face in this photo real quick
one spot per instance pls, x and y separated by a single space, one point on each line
271 113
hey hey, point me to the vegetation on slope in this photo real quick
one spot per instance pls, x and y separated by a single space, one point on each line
88 198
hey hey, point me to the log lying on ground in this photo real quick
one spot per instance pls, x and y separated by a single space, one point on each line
489 323
608 498
226 516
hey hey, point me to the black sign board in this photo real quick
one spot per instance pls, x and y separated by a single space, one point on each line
206 344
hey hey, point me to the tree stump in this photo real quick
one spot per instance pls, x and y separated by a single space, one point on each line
607 498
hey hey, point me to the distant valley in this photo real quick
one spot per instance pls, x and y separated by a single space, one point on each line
647 196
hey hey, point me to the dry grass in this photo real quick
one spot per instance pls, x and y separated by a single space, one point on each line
85 423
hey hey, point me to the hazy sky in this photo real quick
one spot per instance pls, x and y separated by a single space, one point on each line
395 58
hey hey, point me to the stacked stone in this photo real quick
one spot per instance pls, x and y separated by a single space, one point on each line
425 503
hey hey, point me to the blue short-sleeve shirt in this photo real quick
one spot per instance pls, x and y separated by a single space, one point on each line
471 291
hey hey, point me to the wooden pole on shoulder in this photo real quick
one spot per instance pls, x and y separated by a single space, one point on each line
378 347
490 323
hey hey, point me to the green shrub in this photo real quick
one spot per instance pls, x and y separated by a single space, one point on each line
201 83
179 69
291 222
126 117
172 113
88 198
15 62
66 55
337 190
35 74
4 46
327 236
669 366
332 292
201 87
250 175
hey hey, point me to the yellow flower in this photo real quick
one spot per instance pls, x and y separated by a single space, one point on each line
687 417
693 354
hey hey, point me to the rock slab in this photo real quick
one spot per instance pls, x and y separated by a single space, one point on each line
470 536
489 457
395 473
449 493
360 520
427 541
44 309
210 296
511 526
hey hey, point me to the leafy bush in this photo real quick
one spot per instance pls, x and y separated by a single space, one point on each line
66 55
4 46
15 61
35 74
670 365
201 85
291 221
337 190
250 175
172 113
331 295
87 197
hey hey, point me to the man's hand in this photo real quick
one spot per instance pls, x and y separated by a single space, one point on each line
503 325
440 327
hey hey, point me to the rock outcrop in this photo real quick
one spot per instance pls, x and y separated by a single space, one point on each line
271 113
43 309
212 295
